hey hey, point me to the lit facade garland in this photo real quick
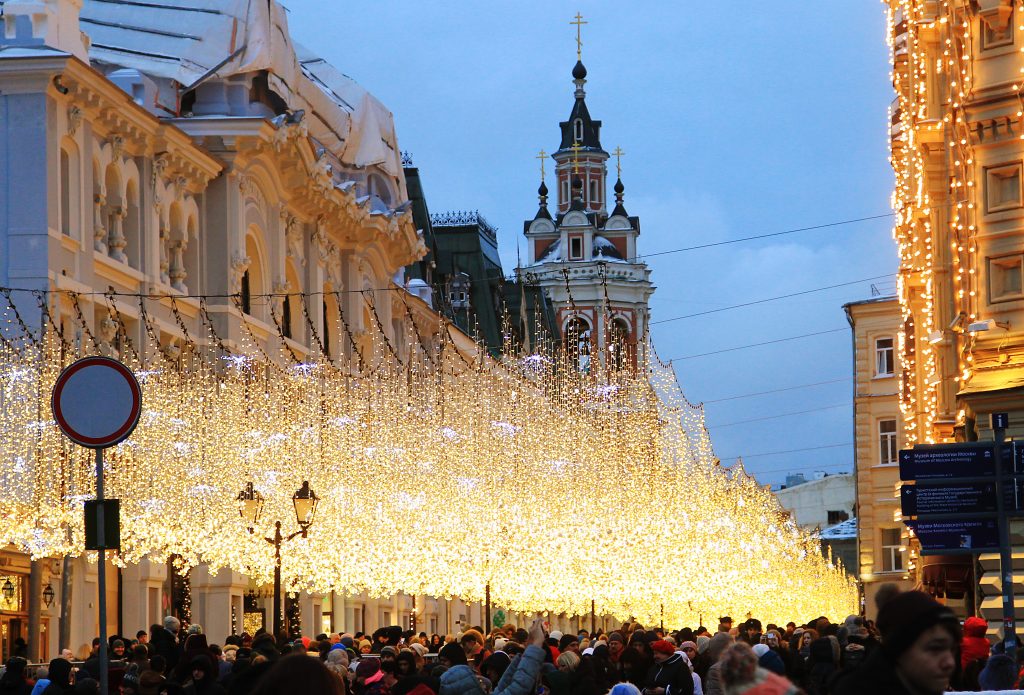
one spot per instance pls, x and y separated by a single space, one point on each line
438 474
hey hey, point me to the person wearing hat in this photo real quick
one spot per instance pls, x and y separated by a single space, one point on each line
918 655
670 674
616 645
369 678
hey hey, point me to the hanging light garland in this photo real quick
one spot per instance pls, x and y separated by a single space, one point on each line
438 473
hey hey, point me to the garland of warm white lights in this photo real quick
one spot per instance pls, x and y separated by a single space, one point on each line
437 475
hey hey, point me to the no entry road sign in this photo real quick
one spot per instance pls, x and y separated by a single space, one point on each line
96 402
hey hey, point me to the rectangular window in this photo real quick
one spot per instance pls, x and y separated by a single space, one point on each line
565 191
1006 278
884 357
593 191
575 248
1003 187
887 446
837 516
892 550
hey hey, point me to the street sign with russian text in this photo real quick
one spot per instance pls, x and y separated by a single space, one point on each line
948 498
946 461
958 535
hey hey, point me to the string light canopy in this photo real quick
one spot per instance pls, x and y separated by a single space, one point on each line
605 476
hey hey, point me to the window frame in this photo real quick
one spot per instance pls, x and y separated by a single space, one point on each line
893 560
574 253
888 442
891 360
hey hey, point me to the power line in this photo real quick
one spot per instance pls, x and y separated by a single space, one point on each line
780 415
772 299
787 388
752 345
787 451
762 236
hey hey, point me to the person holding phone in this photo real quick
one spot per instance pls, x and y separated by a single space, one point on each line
520 678
670 674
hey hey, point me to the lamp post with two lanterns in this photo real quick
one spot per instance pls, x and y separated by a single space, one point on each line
250 506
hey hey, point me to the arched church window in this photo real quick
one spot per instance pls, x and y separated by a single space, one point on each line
577 343
577 129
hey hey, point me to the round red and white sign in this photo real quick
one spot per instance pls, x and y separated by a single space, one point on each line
96 402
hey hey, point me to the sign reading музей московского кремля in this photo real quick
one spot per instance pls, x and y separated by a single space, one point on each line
952 504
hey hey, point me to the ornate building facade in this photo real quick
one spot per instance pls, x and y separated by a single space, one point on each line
583 257
226 174
957 151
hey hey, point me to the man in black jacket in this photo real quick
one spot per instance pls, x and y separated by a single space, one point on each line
670 674
165 642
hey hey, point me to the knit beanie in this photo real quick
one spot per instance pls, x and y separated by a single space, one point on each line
616 637
998 674
663 647
454 653
565 641
904 617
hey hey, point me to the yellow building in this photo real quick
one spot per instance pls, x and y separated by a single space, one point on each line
957 151
876 413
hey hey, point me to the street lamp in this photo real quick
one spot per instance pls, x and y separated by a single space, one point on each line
8 590
48 596
250 506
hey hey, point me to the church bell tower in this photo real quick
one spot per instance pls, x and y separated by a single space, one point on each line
584 257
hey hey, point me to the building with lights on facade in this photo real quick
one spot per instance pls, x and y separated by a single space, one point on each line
957 151
225 161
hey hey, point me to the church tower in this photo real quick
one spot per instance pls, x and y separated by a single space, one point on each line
584 258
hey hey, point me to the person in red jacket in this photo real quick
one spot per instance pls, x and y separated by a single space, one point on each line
975 644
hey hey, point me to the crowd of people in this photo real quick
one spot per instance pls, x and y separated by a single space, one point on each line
917 647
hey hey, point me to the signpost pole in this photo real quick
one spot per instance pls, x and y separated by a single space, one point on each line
102 575
999 423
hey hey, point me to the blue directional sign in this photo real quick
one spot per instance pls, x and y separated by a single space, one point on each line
957 536
950 497
945 461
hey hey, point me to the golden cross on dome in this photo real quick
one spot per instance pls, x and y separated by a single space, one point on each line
575 147
542 155
579 43
618 160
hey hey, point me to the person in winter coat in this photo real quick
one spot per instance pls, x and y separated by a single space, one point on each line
670 674
204 676
520 677
60 678
713 684
13 681
918 655
164 642
975 644
741 675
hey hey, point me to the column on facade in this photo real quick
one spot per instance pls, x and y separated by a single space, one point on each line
99 228
116 239
213 597
142 590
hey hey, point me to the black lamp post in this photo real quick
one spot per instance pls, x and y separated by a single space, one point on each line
250 506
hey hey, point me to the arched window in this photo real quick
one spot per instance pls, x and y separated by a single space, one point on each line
331 323
253 281
131 219
619 349
291 308
70 211
378 187
577 130
578 342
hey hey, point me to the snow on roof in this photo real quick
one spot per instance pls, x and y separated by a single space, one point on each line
844 530
186 42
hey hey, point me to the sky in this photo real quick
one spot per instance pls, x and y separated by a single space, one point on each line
737 119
